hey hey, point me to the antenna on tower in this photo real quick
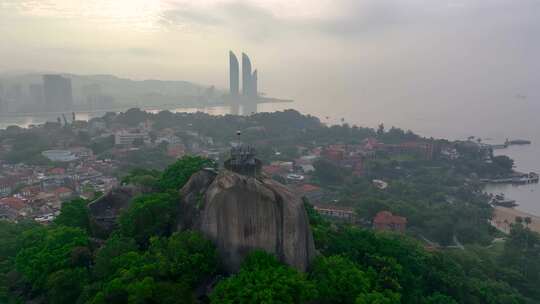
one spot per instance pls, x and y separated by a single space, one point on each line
239 135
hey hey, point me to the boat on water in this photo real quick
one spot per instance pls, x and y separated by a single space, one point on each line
526 178
518 142
500 200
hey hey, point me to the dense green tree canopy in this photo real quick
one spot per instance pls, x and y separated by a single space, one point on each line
338 280
150 215
47 250
328 172
147 261
74 214
504 162
177 174
262 279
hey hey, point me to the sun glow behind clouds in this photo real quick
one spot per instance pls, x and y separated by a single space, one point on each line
147 14
135 14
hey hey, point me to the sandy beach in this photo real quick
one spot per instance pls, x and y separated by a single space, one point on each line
503 217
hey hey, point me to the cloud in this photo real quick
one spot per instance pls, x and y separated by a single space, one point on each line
348 18
84 51
245 19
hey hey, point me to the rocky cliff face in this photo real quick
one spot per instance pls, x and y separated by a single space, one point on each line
104 212
241 213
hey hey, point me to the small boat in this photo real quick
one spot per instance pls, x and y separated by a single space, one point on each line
500 201
518 142
526 178
506 204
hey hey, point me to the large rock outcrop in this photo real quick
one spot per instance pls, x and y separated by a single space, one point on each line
104 211
242 213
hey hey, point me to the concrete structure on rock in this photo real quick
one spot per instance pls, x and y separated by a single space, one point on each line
243 160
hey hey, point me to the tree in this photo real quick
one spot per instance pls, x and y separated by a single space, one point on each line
149 215
177 174
262 279
380 129
527 221
101 145
9 247
133 117
328 173
504 162
47 250
65 286
74 214
117 245
184 256
146 179
338 280
438 298
376 297
165 273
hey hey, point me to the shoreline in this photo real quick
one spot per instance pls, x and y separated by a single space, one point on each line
503 217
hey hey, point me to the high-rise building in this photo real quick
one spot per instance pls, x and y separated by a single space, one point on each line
246 75
234 83
58 93
234 77
13 99
36 96
249 99
2 105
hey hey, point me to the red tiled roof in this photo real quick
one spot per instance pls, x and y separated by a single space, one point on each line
308 188
6 183
386 217
30 189
62 190
58 171
272 169
13 202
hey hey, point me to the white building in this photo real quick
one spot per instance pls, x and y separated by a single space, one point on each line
126 138
59 155
170 139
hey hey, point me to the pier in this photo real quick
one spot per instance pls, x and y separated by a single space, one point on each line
517 178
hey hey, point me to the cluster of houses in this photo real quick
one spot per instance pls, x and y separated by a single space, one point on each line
178 142
38 192
297 174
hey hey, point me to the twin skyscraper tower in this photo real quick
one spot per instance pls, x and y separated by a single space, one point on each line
249 98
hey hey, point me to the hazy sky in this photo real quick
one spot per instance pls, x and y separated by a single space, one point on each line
366 60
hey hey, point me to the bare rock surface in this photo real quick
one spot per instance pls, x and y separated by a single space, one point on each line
242 213
104 211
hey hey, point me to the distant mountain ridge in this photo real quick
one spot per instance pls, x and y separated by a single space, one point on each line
123 90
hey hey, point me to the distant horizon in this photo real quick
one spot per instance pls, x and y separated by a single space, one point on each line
40 73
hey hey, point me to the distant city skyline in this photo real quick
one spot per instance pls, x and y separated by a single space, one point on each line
364 60
58 93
